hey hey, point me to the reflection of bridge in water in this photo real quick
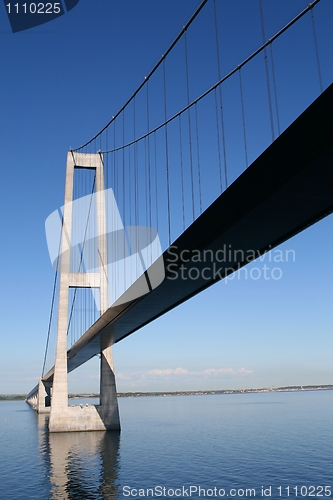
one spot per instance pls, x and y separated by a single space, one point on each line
76 462
223 171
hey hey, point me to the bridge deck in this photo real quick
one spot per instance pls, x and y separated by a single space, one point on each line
285 190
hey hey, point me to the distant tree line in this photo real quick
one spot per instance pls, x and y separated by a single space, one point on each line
12 397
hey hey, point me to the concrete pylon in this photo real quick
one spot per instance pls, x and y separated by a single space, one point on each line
43 397
64 418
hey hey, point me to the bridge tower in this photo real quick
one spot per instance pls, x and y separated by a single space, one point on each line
105 416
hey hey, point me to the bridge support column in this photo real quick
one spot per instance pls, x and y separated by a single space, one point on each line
108 393
105 416
64 418
43 398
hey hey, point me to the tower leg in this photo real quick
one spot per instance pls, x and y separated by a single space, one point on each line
108 408
59 405
43 398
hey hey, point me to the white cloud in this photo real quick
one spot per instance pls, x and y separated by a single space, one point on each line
167 373
214 372
126 376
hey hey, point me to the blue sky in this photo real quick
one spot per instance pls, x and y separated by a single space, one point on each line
60 83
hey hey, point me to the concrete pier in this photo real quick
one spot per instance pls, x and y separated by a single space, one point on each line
64 418
43 397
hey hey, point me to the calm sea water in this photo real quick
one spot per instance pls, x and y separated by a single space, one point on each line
236 446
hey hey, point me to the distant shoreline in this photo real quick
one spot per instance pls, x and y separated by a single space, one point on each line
293 388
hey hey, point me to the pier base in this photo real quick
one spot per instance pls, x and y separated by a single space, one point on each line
102 417
85 418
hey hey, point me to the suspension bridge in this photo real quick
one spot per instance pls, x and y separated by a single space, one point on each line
202 170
